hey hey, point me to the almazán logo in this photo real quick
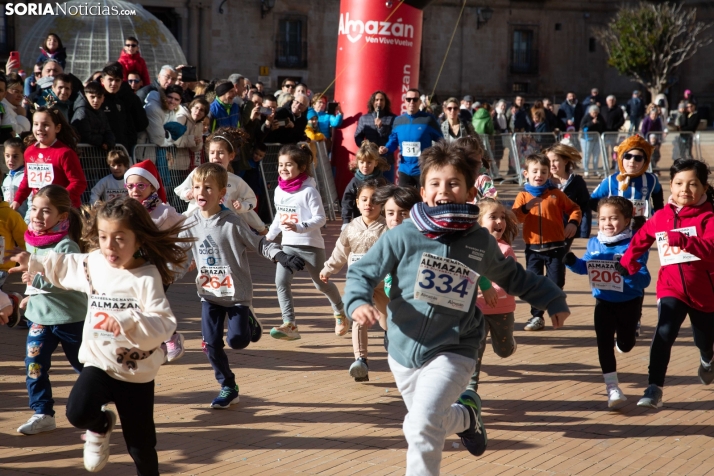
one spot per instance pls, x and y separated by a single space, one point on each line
383 31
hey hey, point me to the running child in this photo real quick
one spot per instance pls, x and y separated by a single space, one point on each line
440 253
541 208
112 186
14 149
484 184
684 232
53 159
632 181
54 315
499 317
368 165
355 240
220 249
300 215
563 160
618 299
221 148
127 319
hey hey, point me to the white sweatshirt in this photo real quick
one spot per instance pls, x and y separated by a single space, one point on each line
236 190
304 208
107 188
11 118
135 298
165 216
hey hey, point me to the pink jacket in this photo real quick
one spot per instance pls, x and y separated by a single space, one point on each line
506 303
692 282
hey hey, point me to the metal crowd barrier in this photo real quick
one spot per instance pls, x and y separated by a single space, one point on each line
174 165
94 164
703 146
669 146
500 154
527 143
322 173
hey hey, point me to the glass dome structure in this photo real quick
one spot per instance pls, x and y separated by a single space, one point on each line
93 41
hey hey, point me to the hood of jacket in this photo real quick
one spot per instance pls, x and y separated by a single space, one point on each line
482 114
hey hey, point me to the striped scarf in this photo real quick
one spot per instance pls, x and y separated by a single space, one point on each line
443 220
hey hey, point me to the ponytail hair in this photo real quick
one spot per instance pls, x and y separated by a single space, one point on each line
299 153
700 169
59 198
66 135
235 139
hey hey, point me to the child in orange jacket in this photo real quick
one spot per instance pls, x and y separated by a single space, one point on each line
541 208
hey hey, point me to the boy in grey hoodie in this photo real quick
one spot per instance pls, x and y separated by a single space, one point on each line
434 326
223 281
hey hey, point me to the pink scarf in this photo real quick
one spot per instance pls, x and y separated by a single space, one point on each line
679 209
54 235
292 185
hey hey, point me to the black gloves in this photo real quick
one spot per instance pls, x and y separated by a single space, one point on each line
570 259
621 269
290 262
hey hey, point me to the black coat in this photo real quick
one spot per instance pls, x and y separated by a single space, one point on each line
570 111
614 118
587 121
126 116
577 191
92 125
284 135
692 123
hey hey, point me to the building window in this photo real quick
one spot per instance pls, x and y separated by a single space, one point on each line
591 45
519 88
524 55
7 34
558 26
291 43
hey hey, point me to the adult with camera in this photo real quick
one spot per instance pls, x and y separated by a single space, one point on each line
376 126
291 121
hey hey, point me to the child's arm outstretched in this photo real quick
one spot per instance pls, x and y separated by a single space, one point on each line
700 246
318 218
243 199
337 259
640 244
267 248
185 190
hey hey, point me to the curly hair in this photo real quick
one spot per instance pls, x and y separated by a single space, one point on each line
235 138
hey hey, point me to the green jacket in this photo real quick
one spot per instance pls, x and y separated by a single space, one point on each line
418 330
55 306
482 122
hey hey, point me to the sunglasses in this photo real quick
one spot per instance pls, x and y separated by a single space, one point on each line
636 158
411 99
133 81
452 108
131 45
139 186
289 86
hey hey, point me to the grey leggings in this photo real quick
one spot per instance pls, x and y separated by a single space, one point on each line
314 261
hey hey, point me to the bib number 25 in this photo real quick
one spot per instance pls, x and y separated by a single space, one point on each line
442 283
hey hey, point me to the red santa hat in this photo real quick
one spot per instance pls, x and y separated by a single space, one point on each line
147 170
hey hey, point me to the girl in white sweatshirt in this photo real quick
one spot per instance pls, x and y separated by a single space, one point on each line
299 217
221 148
128 318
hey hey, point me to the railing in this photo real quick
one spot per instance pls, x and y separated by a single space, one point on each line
527 143
174 165
94 164
668 146
500 155
702 147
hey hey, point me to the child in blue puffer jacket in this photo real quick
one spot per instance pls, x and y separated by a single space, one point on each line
618 298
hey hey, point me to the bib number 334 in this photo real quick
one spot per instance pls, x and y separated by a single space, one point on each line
445 282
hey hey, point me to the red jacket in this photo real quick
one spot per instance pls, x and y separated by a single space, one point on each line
692 282
136 63
66 171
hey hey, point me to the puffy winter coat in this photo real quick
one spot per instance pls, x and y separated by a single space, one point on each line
691 282
134 63
91 125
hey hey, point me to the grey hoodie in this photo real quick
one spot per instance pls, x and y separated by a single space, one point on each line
221 255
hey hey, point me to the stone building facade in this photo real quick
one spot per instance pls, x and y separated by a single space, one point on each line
537 48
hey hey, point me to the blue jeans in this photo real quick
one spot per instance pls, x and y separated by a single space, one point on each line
240 330
41 343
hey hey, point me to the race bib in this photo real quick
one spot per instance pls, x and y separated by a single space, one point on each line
672 254
602 275
411 149
112 194
354 257
102 308
445 282
640 208
39 175
287 214
215 280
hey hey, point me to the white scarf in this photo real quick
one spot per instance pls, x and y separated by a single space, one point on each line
608 240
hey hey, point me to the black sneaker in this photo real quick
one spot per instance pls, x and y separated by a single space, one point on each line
14 318
637 329
256 328
706 374
474 438
652 397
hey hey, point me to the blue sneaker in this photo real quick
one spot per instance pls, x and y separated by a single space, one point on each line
228 396
474 438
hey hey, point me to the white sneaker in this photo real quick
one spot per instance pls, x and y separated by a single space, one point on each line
615 397
174 347
535 323
96 445
37 424
586 174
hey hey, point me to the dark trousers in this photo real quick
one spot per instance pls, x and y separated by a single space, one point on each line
409 180
240 329
672 313
615 318
135 405
42 341
551 262
389 174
